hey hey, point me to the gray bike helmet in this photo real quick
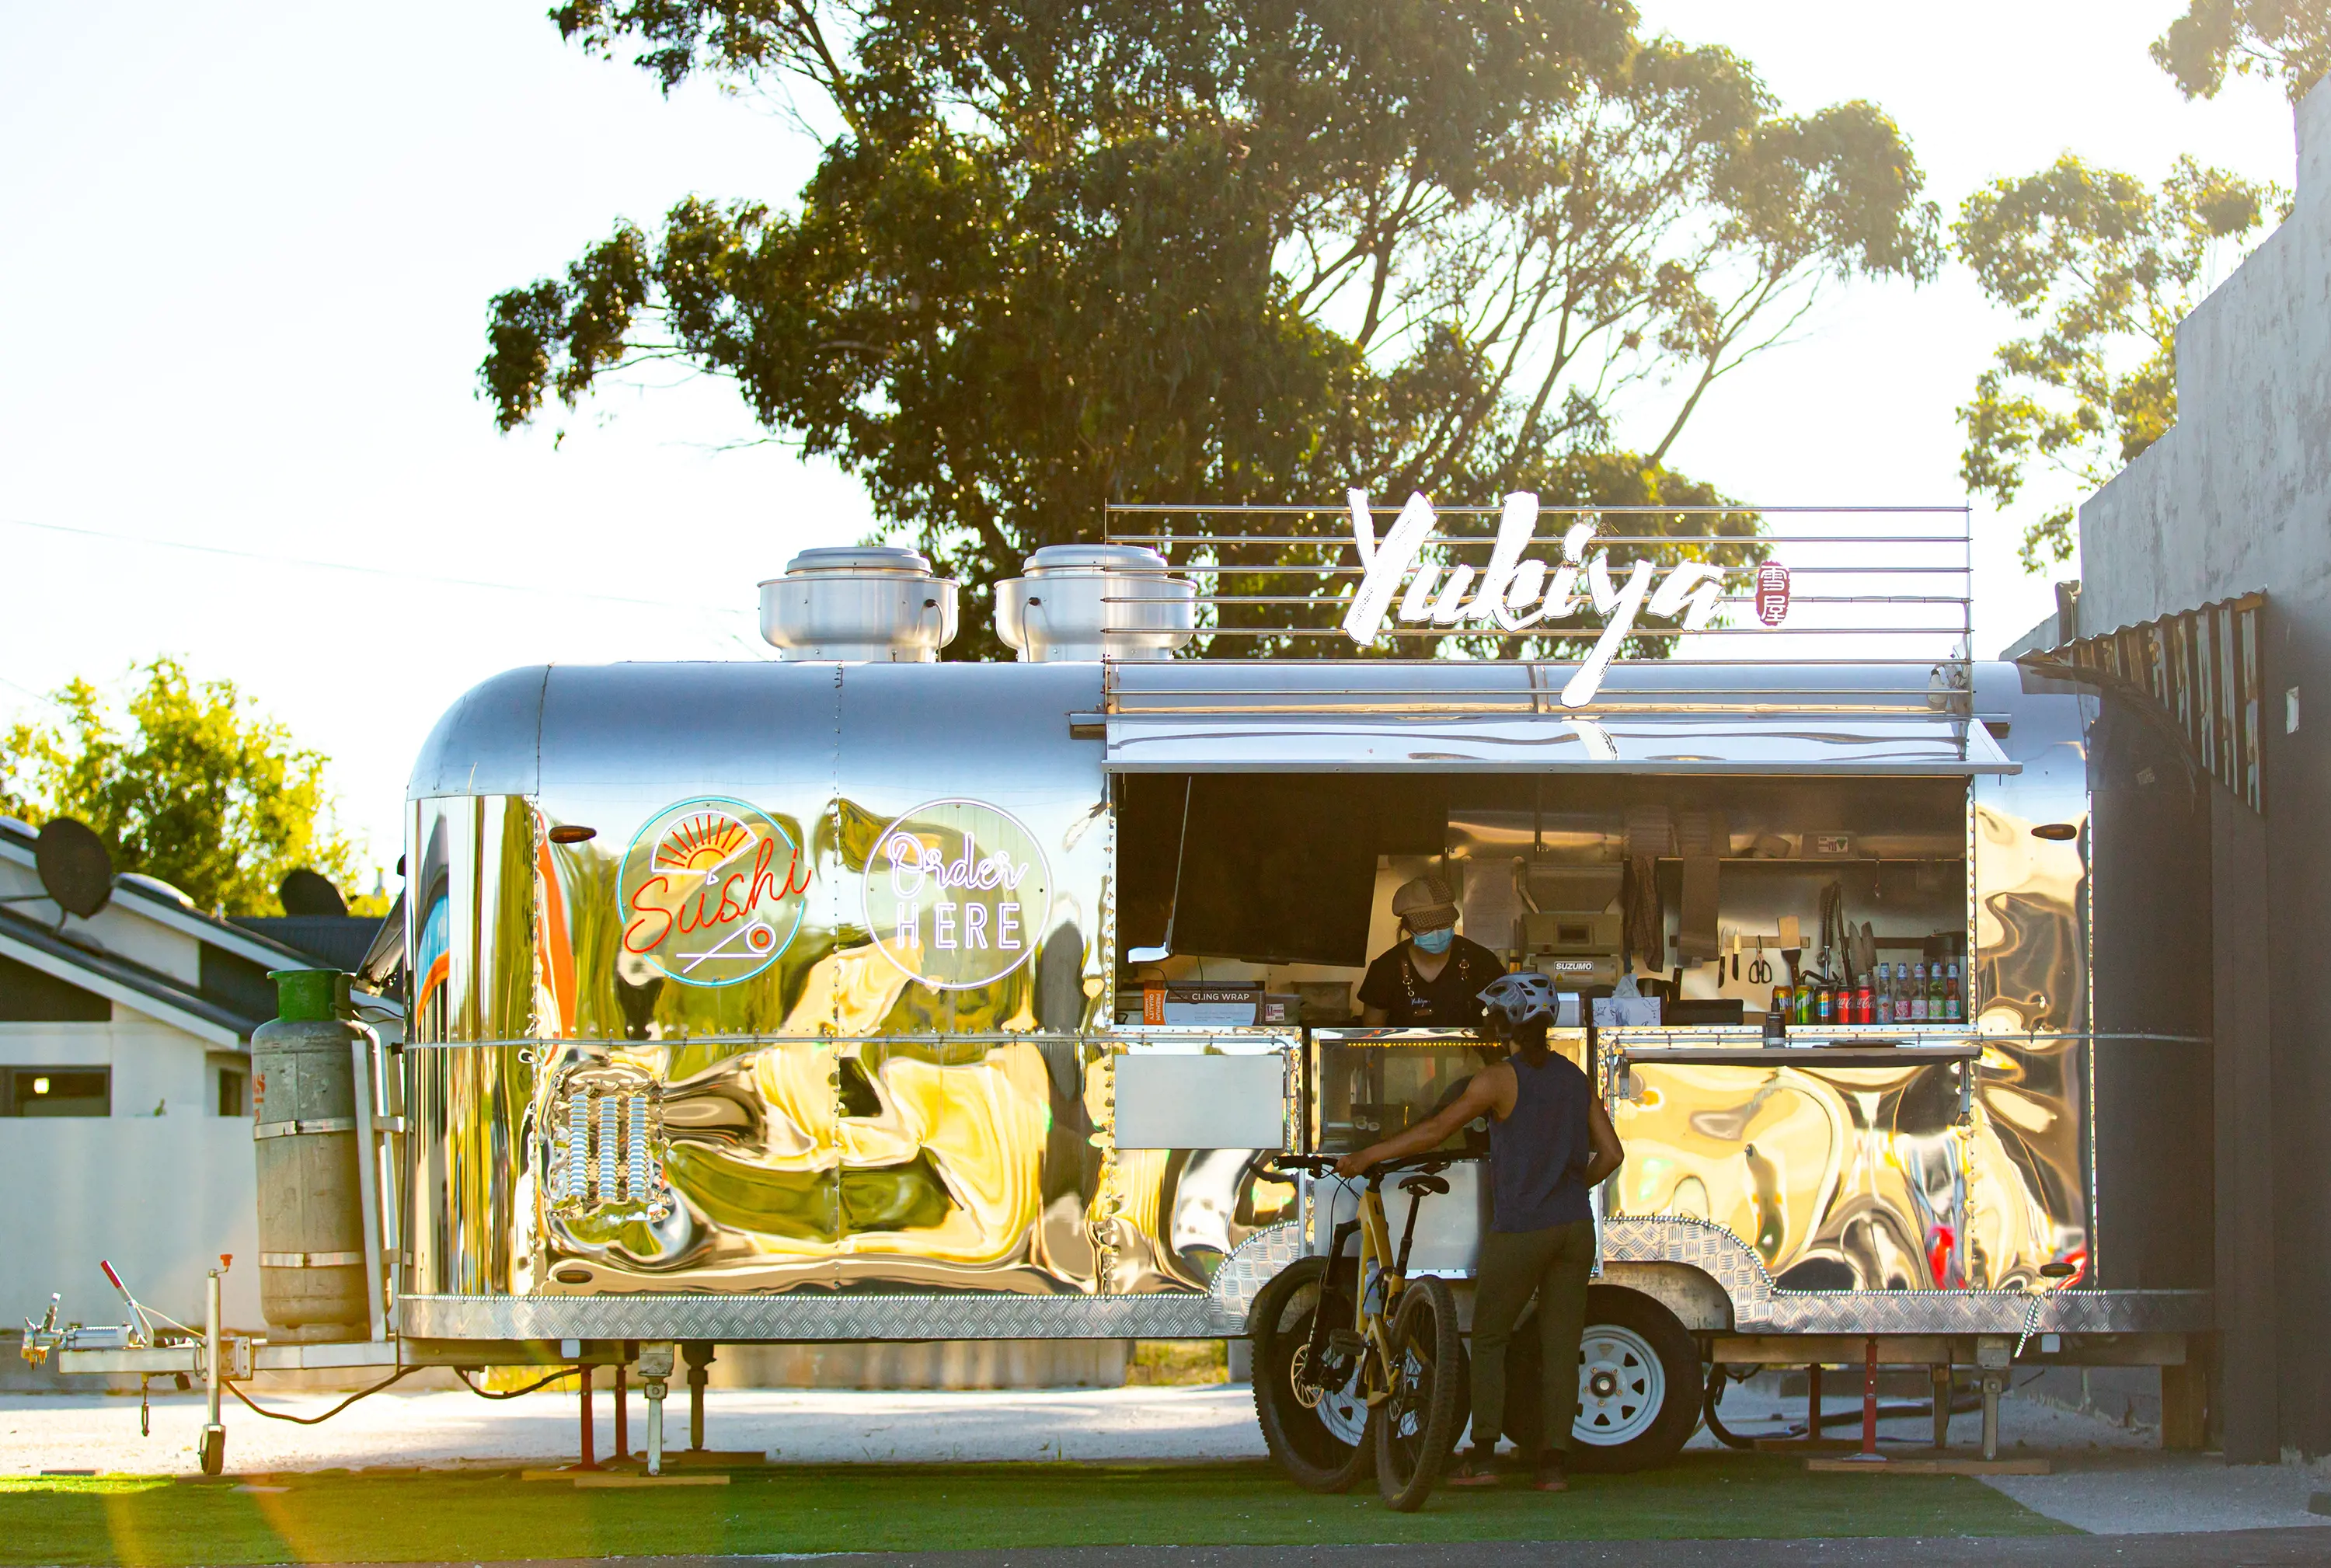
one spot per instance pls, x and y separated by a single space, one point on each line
1516 999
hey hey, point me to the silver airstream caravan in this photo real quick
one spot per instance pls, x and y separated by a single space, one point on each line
795 1000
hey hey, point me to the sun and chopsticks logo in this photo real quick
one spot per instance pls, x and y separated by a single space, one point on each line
712 891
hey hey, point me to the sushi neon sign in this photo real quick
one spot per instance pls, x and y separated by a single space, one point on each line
712 891
1516 590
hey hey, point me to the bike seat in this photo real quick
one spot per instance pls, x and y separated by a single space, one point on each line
1424 1184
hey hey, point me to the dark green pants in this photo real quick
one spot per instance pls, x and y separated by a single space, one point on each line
1553 1264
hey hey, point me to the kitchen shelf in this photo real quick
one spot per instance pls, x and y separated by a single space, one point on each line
1795 1055
1814 862
1850 1044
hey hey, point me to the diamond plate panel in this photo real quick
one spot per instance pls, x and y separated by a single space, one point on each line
1703 1244
1247 1269
802 1317
1760 1306
1988 1312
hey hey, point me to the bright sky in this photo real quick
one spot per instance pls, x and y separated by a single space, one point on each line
251 246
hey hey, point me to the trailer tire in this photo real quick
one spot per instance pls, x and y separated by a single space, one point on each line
1641 1388
1323 1447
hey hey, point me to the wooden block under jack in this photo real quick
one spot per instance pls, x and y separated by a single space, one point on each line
1932 1465
618 1475
1808 1445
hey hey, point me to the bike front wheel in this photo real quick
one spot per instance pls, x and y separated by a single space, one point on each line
1415 1424
1317 1434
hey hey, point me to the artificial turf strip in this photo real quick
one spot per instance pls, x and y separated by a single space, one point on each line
338 1517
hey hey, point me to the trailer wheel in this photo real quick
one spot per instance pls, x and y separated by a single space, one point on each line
1640 1387
214 1455
1318 1436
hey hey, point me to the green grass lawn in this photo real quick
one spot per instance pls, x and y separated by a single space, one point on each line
342 1517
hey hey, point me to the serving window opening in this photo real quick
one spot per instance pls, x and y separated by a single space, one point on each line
1705 892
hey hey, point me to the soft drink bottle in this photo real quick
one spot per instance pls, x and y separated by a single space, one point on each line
1884 989
1918 993
1954 1004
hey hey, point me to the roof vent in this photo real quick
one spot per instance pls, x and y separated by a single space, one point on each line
874 603
1096 602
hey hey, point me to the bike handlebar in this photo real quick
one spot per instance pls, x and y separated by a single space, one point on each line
1325 1164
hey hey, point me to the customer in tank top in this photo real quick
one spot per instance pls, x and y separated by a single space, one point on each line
1550 1143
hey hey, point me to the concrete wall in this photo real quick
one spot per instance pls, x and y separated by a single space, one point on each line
2238 497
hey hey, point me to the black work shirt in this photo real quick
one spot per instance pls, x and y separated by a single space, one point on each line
1450 999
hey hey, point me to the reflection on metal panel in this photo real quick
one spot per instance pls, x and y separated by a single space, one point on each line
1927 1175
740 1167
803 763
470 1120
1491 743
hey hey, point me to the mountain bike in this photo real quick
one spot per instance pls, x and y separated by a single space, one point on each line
1357 1365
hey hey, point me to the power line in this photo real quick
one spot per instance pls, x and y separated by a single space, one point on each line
36 695
372 571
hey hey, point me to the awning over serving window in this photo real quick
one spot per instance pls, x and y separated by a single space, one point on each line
1500 742
1294 718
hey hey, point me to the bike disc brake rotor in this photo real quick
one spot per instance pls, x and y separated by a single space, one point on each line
1341 1410
1407 1405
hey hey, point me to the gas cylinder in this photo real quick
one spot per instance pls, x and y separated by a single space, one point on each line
304 1066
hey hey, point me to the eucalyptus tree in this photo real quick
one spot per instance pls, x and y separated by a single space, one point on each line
2288 41
2104 266
1057 254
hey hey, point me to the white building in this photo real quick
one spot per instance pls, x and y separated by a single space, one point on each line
125 1097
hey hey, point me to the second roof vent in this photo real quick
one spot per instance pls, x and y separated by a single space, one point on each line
1096 602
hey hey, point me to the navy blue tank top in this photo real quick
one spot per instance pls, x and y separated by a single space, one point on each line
1539 1154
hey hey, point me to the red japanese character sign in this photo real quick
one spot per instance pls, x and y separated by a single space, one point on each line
1772 593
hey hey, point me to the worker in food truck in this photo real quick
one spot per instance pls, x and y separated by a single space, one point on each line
1550 1143
1433 978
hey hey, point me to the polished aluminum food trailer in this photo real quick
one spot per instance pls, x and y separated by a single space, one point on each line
782 1002
797 1000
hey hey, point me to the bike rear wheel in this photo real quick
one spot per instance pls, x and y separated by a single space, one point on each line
1415 1426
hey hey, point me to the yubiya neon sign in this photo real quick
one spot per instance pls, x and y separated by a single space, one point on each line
957 893
712 890
1515 592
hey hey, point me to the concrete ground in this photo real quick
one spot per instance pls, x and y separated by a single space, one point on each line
2107 1478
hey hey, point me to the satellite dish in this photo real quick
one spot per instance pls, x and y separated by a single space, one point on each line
74 868
307 892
